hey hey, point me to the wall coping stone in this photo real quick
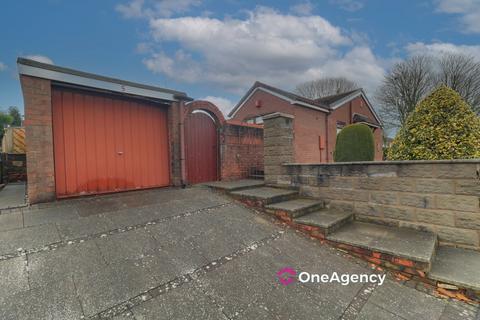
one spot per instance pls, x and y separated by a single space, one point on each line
456 161
277 114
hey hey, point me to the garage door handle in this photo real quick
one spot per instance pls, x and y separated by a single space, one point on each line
120 153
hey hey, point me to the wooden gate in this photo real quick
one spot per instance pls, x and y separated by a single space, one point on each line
201 147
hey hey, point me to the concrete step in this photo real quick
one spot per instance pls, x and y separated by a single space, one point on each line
296 207
327 220
456 266
405 247
235 185
262 196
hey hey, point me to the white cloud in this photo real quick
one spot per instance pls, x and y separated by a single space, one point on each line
225 105
2 66
304 8
155 8
280 49
348 5
468 11
40 58
436 49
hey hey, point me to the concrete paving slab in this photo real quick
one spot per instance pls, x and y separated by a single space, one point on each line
12 195
401 242
75 260
457 266
186 302
131 245
266 194
406 302
371 311
82 227
113 285
235 185
294 205
28 238
324 219
14 277
10 221
34 217
234 286
455 310
57 302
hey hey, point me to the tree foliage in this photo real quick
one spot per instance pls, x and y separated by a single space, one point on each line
411 80
355 142
442 126
325 87
5 120
16 116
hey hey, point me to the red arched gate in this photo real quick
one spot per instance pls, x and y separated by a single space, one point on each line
201 147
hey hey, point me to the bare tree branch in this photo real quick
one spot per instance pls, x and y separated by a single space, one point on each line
403 88
462 74
325 87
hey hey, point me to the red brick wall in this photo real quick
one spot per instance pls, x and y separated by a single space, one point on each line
38 138
345 114
309 124
241 148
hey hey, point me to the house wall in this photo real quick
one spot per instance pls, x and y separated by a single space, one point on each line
309 124
344 114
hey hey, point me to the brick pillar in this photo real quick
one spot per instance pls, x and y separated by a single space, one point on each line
277 146
37 97
174 115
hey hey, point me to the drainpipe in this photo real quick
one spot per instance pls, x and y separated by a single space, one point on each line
326 138
181 125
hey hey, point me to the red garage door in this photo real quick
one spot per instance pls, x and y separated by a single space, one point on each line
105 143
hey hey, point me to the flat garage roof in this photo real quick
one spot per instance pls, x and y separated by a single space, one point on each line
66 75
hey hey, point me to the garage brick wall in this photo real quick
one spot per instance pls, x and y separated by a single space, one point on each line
39 138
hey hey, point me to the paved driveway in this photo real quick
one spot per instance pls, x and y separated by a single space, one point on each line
181 254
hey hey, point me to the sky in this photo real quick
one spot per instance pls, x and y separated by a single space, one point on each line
215 50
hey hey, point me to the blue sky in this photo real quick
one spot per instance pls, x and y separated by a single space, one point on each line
217 49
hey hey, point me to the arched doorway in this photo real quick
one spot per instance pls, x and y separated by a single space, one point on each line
201 147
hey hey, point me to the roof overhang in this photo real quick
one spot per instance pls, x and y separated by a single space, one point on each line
280 96
65 75
352 96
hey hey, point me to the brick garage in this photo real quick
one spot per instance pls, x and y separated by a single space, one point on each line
239 146
40 82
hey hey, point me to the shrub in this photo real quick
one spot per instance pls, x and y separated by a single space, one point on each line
354 143
442 126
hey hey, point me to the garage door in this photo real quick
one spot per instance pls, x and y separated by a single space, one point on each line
106 143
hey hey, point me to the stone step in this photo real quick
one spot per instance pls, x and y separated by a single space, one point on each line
296 207
460 267
235 185
326 220
401 246
262 196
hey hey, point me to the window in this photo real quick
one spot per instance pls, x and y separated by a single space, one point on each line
340 126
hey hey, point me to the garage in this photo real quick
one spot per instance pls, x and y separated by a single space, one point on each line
107 143
89 134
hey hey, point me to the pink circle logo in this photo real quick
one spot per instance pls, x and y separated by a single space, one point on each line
286 275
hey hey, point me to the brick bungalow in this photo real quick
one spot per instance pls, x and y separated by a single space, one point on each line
316 122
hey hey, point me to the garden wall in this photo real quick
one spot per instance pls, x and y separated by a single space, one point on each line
438 196
241 150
